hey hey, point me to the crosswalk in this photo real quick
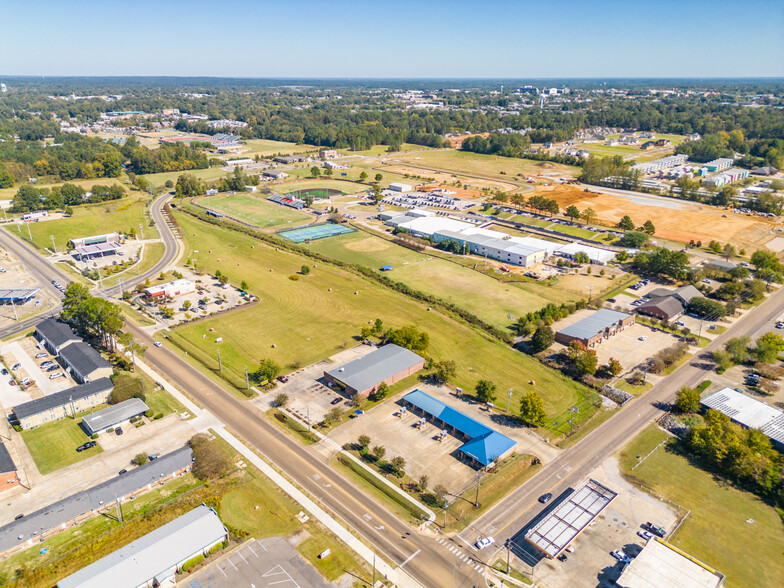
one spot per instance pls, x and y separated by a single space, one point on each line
463 558
334 444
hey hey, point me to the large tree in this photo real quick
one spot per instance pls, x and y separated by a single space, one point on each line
542 338
532 409
485 390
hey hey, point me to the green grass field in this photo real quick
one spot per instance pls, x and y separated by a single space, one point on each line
93 219
53 445
383 149
481 294
266 147
345 186
211 173
8 193
254 210
306 322
716 531
483 165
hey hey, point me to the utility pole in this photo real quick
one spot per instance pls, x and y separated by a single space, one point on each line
119 509
374 569
478 482
16 316
572 410
220 363
141 231
54 247
590 292
307 407
28 232
247 380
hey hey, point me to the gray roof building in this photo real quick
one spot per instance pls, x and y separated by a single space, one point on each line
288 158
382 365
154 558
7 464
113 415
61 398
665 307
748 412
601 323
83 359
684 293
57 334
67 509
720 264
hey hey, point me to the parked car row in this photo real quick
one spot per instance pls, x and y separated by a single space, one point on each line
640 284
58 285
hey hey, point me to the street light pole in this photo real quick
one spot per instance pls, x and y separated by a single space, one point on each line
509 400
54 247
478 482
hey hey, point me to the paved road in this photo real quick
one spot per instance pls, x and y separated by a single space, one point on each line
572 466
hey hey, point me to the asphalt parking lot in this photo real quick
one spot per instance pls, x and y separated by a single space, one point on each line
267 562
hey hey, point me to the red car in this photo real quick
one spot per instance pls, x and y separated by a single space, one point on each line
12 382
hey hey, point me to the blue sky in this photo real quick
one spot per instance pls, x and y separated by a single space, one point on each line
394 38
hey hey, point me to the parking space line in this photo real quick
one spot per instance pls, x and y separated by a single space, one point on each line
477 567
260 544
221 571
251 550
232 564
242 556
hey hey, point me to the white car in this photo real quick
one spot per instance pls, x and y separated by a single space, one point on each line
643 338
40 355
620 556
484 542
57 375
647 535
158 344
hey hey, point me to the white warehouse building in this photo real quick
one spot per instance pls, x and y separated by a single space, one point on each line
399 187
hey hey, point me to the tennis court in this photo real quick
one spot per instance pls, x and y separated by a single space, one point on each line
313 232
315 193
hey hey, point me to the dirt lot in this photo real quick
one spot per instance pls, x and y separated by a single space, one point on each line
591 564
448 177
420 448
692 221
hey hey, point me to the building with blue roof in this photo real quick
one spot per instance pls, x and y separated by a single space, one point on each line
483 446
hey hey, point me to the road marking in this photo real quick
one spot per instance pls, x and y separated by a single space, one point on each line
477 567
260 544
253 552
367 517
452 549
410 557
243 557
221 571
232 564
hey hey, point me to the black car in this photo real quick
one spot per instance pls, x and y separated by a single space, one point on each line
19 516
84 446
562 557
4 372
123 472
337 401
118 431
545 498
655 529
283 379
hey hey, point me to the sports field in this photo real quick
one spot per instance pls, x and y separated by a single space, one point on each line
299 322
727 528
344 186
266 148
315 232
254 210
483 295
92 219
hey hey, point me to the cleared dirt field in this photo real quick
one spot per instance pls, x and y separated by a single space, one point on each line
677 220
448 177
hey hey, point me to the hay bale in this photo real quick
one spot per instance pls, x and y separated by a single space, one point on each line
212 329
329 290
355 292
273 346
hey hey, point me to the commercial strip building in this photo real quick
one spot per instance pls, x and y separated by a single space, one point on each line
95 240
17 296
113 416
483 446
520 251
595 328
390 363
169 290
289 158
59 405
84 363
661 564
748 412
153 560
667 304
8 476
564 524
82 505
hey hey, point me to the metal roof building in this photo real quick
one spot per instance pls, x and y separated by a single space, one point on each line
661 564
99 249
114 415
154 558
595 327
389 364
65 510
748 412
17 296
559 528
595 254
483 445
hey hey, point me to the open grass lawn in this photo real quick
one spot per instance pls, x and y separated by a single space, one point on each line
274 515
481 294
151 254
716 531
93 219
266 148
345 186
383 150
8 193
484 165
303 321
340 560
211 173
53 445
254 210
